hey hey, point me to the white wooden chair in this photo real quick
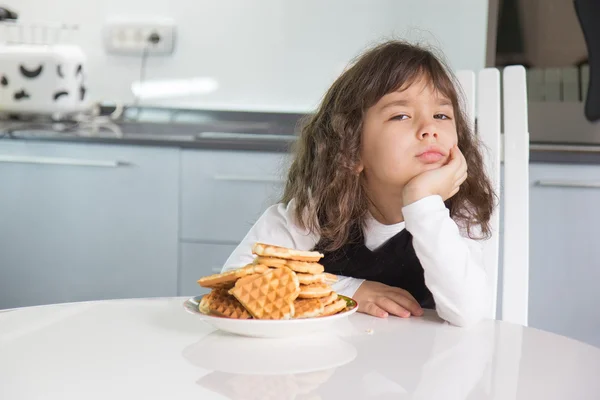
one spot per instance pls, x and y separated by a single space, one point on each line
489 109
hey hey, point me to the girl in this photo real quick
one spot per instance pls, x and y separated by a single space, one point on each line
379 184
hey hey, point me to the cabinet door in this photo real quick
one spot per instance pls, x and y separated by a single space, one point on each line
565 250
84 222
198 260
225 192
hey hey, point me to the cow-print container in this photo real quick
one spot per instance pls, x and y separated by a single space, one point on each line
40 79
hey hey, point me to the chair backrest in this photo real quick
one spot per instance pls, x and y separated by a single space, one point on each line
496 105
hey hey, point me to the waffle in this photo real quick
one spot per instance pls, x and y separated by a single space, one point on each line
308 308
333 296
267 250
305 267
247 279
309 279
270 261
315 290
269 296
330 278
221 303
334 307
227 279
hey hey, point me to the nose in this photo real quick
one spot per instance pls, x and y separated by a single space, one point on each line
428 130
427 134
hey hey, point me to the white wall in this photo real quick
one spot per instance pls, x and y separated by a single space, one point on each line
265 54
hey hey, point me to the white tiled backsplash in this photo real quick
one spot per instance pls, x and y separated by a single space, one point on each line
263 54
565 85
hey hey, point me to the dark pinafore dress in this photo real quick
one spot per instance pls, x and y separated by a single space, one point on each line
394 263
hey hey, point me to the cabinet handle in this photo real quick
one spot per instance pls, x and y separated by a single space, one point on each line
569 148
248 178
572 184
246 136
7 158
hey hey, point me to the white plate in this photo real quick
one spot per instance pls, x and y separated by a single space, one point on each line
271 328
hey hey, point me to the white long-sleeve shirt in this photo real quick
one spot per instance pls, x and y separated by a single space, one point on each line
453 264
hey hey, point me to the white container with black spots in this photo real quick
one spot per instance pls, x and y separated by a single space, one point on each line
42 79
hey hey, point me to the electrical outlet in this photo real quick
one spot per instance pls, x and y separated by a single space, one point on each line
128 36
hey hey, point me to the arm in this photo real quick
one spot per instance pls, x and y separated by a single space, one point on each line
453 264
277 226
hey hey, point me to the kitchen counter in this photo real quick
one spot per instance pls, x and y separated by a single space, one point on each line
201 140
227 130
219 130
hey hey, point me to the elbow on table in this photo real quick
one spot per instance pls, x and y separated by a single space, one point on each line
464 320
464 316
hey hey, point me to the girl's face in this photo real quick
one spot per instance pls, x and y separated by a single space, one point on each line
407 133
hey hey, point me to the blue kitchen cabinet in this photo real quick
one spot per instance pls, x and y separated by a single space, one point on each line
565 250
198 260
87 221
223 193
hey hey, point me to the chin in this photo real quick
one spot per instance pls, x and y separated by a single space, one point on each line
429 167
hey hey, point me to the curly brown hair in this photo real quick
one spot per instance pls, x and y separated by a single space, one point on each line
322 180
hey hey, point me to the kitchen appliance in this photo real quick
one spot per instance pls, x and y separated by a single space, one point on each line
41 74
6 14
42 79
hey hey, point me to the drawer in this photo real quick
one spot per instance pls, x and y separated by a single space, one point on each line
198 260
224 192
88 221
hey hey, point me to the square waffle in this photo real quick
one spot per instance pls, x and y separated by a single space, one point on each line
271 295
221 303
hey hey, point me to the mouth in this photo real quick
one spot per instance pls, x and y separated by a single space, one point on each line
431 155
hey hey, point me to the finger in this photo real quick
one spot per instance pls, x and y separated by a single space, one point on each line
460 173
407 301
456 160
453 155
461 157
453 192
401 292
460 180
461 169
373 309
458 152
450 159
392 307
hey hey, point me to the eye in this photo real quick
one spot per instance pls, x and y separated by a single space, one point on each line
400 117
441 116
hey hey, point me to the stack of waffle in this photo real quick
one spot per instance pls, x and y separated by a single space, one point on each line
281 283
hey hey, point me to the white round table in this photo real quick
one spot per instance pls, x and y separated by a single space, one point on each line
153 349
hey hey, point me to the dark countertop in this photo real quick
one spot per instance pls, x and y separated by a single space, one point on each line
224 130
205 140
194 129
555 153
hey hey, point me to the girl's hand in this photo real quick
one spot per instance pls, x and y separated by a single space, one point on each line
380 300
444 181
